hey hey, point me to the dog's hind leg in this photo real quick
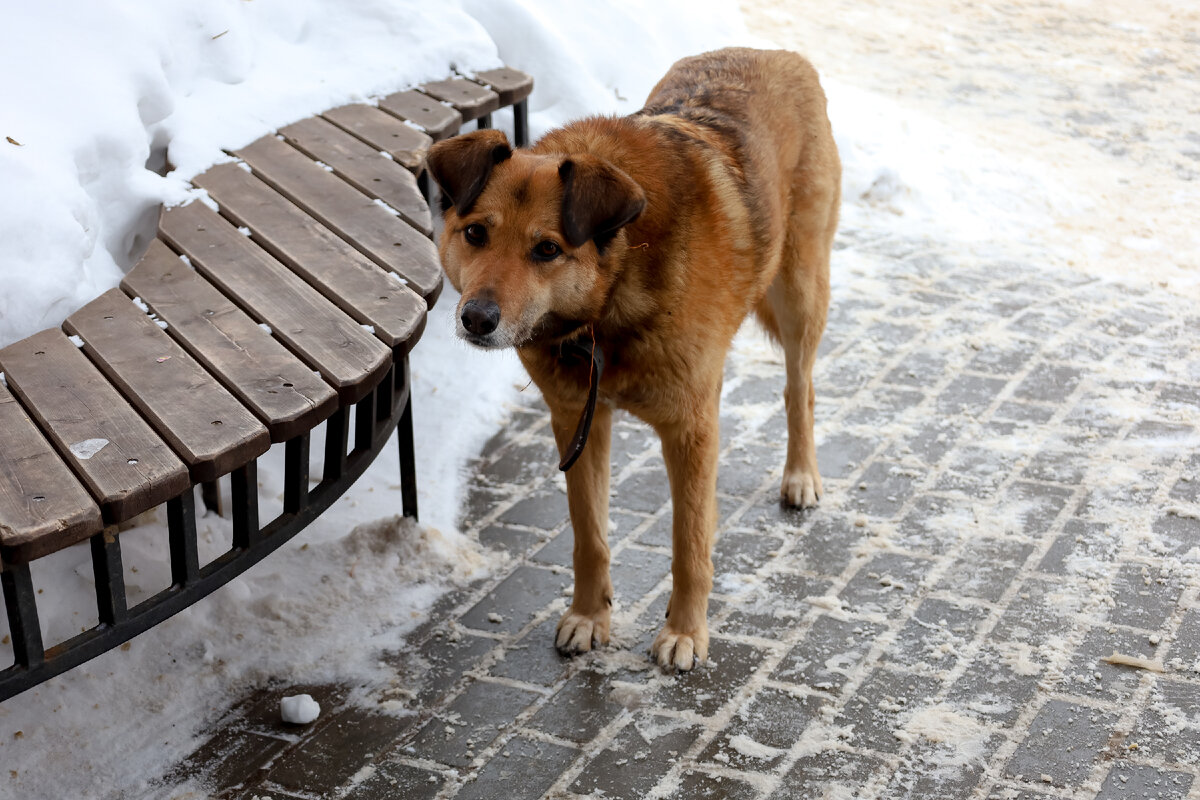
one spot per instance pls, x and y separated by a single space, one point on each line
794 312
587 620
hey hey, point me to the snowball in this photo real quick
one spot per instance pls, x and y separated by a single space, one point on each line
300 709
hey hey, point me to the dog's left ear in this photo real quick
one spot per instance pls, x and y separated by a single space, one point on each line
598 200
462 165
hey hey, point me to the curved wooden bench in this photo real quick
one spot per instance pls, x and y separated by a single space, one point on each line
291 302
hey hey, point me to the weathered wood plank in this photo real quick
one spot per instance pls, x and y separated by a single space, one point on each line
356 284
472 100
206 425
43 506
401 141
511 85
359 162
125 465
371 229
349 358
281 391
436 119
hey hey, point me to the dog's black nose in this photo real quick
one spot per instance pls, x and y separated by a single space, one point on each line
480 317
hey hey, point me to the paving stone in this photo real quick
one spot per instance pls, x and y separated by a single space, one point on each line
534 659
882 406
885 583
470 723
880 706
831 650
935 635
969 394
977 470
774 612
521 463
1167 728
840 455
755 389
1036 615
513 541
559 550
743 470
1145 783
519 597
1002 678
935 523
1057 464
944 769
579 709
1023 411
260 710
1090 676
696 785
827 773
743 551
1082 548
1003 358
635 572
929 440
645 490
888 487
392 780
435 668
1143 596
630 441
1185 650
1063 744
545 509
523 770
638 758
847 374
1012 793
822 544
920 368
1048 383
764 730
985 568
1178 533
708 687
1037 506
326 760
229 759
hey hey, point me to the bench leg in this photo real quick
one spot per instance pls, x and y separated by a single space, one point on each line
484 122
111 605
245 505
295 473
181 531
210 495
336 439
408 459
521 122
20 601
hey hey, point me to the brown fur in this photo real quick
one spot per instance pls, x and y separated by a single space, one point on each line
718 199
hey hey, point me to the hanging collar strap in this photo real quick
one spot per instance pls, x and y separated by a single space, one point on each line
587 352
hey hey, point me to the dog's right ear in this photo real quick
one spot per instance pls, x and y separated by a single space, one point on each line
462 164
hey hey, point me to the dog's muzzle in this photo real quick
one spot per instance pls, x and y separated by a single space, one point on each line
480 317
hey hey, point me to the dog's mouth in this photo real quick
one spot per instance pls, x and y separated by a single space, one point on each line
499 339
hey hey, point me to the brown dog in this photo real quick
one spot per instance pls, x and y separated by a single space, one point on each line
620 257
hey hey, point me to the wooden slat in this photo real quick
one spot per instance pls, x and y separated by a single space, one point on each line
401 141
511 85
206 426
43 506
349 358
125 465
281 391
353 282
358 161
436 119
372 230
472 100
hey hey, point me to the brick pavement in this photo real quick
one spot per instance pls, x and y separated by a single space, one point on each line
1012 494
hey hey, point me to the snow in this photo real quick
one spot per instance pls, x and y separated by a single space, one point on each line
299 709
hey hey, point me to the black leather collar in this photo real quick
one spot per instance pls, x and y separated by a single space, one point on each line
583 351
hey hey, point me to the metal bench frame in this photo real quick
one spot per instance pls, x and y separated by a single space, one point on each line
347 455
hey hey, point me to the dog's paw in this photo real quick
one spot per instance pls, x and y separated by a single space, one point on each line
579 633
680 651
801 489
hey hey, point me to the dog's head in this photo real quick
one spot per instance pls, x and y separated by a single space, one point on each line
529 239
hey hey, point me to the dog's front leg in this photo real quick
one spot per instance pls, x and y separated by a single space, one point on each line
690 449
587 620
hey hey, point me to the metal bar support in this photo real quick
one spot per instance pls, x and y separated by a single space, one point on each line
521 122
181 532
484 122
111 606
295 473
21 603
245 505
336 439
408 458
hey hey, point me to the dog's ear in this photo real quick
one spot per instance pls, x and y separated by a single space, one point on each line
462 164
598 199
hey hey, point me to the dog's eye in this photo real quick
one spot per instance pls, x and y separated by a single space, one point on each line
546 250
475 234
